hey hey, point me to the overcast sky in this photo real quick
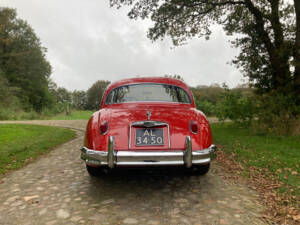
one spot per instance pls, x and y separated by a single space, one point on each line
89 41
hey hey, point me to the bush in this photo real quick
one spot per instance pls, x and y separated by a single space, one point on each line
7 114
206 107
235 106
278 113
55 109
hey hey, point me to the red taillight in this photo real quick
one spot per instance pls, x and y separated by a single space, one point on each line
194 127
103 128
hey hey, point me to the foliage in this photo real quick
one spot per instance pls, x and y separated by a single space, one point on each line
22 61
79 100
95 93
23 143
267 33
7 93
275 113
63 96
235 106
75 115
65 100
17 114
206 107
207 93
216 100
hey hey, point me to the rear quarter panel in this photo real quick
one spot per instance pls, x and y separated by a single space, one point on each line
93 138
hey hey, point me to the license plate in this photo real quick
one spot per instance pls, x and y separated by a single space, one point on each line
149 136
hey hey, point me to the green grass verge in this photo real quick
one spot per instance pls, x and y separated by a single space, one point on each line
279 154
75 115
21 143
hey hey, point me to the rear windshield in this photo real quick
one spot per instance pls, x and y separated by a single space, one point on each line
148 93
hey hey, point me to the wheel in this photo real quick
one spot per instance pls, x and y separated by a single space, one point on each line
93 171
200 170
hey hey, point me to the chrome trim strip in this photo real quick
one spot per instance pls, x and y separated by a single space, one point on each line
145 102
147 123
201 161
129 140
163 163
169 136
149 153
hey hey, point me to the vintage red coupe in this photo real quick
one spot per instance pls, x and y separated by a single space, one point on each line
148 122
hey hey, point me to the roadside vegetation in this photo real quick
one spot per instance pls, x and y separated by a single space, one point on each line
26 89
269 162
21 144
74 115
278 154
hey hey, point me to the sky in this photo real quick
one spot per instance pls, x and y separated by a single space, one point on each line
89 41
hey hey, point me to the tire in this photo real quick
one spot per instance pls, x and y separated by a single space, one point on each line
93 171
200 170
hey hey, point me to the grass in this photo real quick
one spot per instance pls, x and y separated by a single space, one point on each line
278 154
75 115
20 143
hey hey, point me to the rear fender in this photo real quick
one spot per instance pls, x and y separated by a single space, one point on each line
204 131
93 138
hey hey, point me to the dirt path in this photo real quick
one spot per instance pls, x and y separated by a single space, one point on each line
56 189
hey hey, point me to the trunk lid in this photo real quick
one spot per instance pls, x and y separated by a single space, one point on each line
175 116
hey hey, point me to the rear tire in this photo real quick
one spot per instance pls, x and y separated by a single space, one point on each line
93 171
200 170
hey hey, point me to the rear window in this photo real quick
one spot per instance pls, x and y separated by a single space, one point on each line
148 93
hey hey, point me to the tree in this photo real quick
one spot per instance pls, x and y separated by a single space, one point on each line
266 31
7 94
23 60
79 99
63 96
207 93
95 93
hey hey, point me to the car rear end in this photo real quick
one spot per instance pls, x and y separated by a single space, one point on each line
148 133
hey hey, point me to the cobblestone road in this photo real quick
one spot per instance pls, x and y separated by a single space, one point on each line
56 189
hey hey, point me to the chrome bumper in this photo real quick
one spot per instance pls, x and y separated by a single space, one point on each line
113 158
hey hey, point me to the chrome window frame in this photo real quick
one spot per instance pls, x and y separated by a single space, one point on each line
191 98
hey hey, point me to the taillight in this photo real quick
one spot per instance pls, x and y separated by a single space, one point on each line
194 127
103 128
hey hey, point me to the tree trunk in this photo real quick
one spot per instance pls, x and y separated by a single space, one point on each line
297 51
279 61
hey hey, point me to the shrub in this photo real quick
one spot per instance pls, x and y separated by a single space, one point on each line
206 107
278 113
235 106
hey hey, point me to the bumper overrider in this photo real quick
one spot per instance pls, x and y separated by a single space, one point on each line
113 158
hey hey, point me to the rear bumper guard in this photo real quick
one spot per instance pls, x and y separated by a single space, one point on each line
113 158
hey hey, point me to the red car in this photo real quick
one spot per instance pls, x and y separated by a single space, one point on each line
148 122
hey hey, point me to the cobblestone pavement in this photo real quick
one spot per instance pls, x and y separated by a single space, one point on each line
56 189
